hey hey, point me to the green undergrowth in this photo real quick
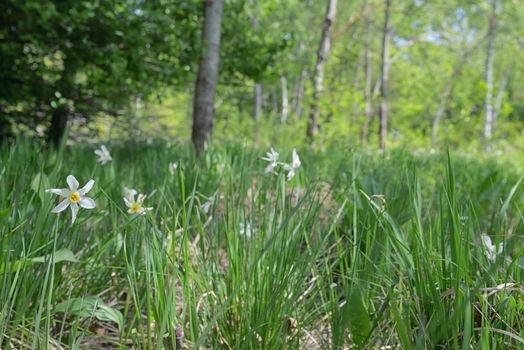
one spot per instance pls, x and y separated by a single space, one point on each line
360 249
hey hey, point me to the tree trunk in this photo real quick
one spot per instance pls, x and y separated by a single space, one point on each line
368 72
488 76
60 114
299 96
259 97
5 127
356 111
258 94
283 87
205 87
274 103
58 126
318 73
384 108
447 93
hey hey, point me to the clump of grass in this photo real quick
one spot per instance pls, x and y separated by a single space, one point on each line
365 250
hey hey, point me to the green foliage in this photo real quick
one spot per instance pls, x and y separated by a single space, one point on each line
90 307
361 249
89 57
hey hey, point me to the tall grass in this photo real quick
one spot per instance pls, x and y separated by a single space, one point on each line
361 249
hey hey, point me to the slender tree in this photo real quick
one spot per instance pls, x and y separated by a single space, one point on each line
368 109
285 103
205 87
384 107
258 91
299 94
318 73
488 76
259 98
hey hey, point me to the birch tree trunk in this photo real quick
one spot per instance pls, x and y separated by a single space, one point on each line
205 87
368 109
258 94
356 111
283 87
259 97
299 96
318 73
384 107
274 103
488 76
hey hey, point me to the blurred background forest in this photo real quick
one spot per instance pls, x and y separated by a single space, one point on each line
419 73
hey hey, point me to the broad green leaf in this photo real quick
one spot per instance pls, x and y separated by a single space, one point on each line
60 255
90 307
356 317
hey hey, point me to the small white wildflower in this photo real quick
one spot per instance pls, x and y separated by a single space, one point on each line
491 250
173 168
295 164
208 204
272 158
74 197
135 206
103 155
245 230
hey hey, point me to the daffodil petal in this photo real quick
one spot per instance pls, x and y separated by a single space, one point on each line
87 203
87 187
61 207
72 182
74 211
486 240
64 192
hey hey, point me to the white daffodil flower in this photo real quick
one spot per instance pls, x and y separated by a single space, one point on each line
74 197
245 230
103 155
173 167
135 206
295 164
272 158
491 250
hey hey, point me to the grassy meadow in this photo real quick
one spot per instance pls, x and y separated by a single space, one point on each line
360 249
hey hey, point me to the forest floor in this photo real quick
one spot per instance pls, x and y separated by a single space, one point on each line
333 249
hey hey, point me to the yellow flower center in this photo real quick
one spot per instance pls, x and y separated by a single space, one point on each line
74 197
135 207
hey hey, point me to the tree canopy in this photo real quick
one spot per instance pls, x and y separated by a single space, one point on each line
74 60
